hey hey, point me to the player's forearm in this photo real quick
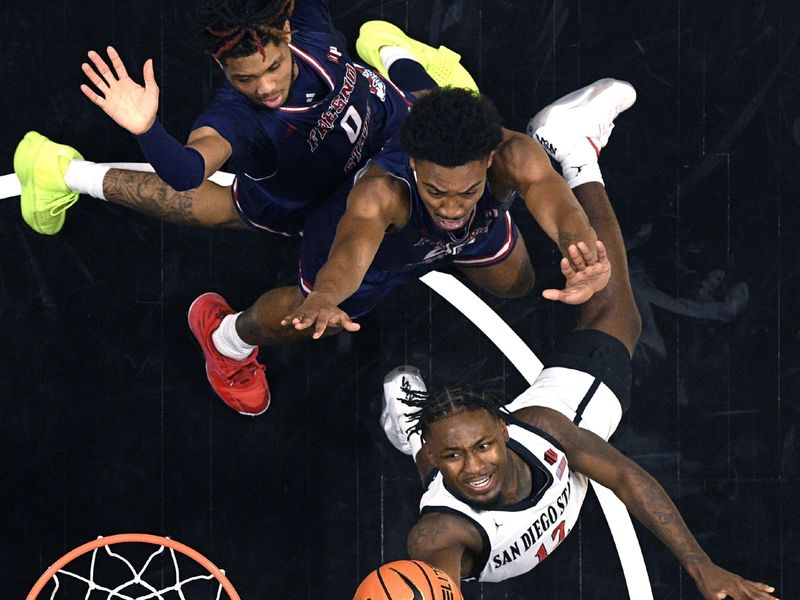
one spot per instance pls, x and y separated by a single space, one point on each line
651 504
345 269
558 213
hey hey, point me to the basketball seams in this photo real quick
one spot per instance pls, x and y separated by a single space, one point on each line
428 579
383 583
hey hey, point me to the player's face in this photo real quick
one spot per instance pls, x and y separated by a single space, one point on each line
469 448
266 80
451 193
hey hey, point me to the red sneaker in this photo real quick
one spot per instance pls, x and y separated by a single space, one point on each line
240 383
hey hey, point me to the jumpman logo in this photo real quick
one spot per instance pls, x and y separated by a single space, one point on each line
578 169
497 525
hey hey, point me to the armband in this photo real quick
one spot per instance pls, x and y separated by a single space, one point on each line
181 167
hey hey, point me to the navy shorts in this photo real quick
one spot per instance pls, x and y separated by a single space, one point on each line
263 212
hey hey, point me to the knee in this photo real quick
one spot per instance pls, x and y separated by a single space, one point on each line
519 286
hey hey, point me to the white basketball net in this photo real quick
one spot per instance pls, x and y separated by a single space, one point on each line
123 591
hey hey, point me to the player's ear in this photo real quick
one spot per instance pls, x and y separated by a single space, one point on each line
288 29
491 158
504 430
428 454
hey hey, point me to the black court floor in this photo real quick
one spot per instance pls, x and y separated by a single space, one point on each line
109 426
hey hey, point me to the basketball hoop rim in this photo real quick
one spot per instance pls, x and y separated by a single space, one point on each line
142 538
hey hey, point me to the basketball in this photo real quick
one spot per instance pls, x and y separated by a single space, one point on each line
407 580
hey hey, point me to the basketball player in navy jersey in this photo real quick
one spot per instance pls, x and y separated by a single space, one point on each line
294 118
409 213
504 488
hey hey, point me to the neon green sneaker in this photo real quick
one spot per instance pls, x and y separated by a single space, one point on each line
40 166
441 63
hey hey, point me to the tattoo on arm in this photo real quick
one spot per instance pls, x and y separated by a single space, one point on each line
148 194
427 533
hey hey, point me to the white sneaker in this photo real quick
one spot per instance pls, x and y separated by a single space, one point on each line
586 113
394 417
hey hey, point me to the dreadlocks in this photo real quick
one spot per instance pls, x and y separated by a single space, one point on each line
234 28
452 399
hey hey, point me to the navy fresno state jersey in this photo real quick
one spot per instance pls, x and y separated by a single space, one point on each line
337 115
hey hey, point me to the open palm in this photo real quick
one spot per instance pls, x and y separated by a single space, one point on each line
584 280
131 105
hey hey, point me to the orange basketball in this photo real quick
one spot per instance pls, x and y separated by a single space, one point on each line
407 580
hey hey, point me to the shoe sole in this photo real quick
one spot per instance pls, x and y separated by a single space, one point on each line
584 95
31 145
443 69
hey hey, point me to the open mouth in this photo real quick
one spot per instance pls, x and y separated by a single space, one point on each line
450 224
272 101
482 484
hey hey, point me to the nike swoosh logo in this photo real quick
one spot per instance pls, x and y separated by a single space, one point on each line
417 594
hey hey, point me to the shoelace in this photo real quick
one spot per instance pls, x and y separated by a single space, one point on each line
246 374
59 205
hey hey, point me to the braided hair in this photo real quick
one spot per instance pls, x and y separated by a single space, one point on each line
235 28
451 399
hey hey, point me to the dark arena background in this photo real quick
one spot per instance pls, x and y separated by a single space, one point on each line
109 424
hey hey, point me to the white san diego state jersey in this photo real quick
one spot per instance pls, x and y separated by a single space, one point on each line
518 537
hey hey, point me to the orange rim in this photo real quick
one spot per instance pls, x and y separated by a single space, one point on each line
142 538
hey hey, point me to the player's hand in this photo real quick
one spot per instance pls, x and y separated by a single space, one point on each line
318 310
130 105
715 583
583 273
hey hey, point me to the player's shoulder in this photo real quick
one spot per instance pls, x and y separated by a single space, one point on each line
517 150
380 190
544 421
436 531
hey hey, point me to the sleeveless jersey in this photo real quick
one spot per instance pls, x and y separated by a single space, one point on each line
421 243
298 154
518 537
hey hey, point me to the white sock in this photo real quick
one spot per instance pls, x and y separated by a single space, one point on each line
227 341
391 54
86 177
580 165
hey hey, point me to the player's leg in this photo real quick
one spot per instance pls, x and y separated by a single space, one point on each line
230 342
410 64
511 278
573 130
500 264
53 175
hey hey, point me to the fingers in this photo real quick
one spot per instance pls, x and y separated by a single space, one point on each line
149 74
102 68
91 95
569 295
321 320
602 255
116 62
91 75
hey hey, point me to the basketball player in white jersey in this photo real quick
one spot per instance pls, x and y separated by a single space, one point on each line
503 489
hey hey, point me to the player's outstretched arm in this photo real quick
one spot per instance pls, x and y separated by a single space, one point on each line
370 208
520 165
582 279
447 542
129 104
319 310
646 500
